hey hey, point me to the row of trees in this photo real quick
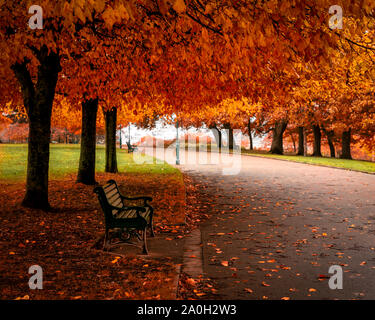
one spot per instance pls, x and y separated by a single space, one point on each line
221 63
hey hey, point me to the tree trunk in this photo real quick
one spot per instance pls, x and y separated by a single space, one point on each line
66 136
121 137
217 135
346 140
250 136
86 170
330 134
317 141
331 148
38 100
305 141
110 140
231 142
301 144
294 142
277 137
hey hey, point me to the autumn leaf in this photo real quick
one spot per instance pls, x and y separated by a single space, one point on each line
191 281
115 260
179 6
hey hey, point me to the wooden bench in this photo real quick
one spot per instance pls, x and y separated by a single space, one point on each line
120 216
131 148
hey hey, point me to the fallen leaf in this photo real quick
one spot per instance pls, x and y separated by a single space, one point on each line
191 281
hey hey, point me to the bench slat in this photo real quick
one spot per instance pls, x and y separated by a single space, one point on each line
127 214
116 203
111 193
109 187
113 196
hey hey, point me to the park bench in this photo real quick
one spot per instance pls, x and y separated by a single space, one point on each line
124 217
131 148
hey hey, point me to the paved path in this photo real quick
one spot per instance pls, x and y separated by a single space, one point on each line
278 226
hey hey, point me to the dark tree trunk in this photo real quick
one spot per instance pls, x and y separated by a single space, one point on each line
120 137
250 136
317 141
301 144
294 142
110 140
38 100
231 143
86 170
346 140
330 134
66 136
277 137
305 133
331 148
218 135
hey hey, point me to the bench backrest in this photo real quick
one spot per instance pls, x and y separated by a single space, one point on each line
109 195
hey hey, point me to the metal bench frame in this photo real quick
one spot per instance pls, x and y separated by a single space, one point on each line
131 148
115 212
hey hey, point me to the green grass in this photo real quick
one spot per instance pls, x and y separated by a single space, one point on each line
355 165
64 161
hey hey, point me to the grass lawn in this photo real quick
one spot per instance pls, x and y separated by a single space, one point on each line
355 165
64 160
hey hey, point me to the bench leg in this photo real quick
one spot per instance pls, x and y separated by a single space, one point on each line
151 222
152 231
106 236
145 250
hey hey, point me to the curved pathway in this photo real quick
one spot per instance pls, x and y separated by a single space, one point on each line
278 226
